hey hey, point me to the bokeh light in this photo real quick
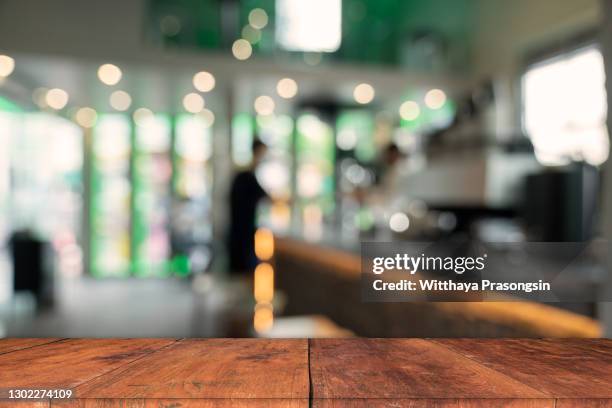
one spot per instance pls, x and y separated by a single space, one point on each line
287 88
363 93
435 99
204 81
399 222
264 244
347 139
263 288
39 96
208 117
193 103
251 34
264 105
242 49
170 25
56 98
141 115
263 320
109 74
409 110
120 100
86 117
7 65
258 18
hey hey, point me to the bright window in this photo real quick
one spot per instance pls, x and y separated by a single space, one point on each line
309 25
565 108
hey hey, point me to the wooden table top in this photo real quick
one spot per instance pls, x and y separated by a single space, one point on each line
301 373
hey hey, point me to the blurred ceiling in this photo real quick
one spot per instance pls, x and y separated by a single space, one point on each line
420 35
161 87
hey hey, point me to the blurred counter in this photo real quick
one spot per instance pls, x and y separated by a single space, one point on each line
321 278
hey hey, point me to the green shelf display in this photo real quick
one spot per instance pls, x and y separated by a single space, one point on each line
142 176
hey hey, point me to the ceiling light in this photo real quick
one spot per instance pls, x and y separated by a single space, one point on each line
287 88
204 81
258 18
142 115
363 93
120 100
56 98
313 25
242 49
207 116
109 74
264 105
435 99
7 65
86 117
409 110
193 102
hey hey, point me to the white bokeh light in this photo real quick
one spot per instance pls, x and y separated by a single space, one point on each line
120 100
435 99
56 98
7 65
399 222
364 93
242 49
409 110
193 103
264 105
287 88
204 81
109 74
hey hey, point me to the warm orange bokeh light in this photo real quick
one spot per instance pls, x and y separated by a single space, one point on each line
264 244
263 288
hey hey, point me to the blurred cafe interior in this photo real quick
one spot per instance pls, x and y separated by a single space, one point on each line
137 136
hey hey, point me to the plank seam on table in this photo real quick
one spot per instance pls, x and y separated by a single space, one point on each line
127 363
33 346
310 387
491 368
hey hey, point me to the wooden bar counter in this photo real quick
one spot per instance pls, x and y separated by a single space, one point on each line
333 278
174 373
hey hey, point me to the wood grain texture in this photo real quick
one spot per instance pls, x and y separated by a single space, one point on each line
98 403
583 403
434 403
13 344
212 368
586 345
404 368
23 404
220 373
68 363
229 403
181 403
559 368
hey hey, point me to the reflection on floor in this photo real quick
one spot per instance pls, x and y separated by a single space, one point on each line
137 308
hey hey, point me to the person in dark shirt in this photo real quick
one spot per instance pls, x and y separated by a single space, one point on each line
245 195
